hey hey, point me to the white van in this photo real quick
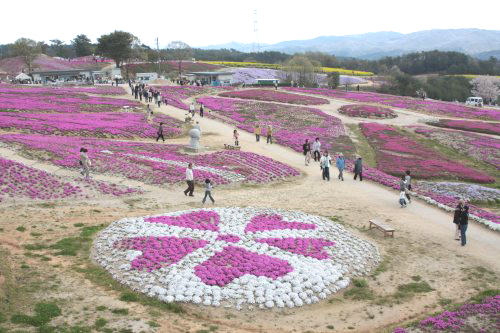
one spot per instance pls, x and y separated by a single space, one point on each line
474 101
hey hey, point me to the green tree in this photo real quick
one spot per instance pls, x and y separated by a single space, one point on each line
83 46
302 71
27 49
58 47
116 45
180 51
333 79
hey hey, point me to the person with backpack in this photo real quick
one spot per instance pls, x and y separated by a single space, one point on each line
208 191
160 133
358 169
325 164
85 163
306 148
340 162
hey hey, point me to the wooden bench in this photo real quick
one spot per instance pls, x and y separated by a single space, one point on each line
385 228
231 147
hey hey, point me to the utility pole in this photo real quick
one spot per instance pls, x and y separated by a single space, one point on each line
159 60
256 46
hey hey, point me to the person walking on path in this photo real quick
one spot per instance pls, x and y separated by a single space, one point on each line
316 150
461 220
202 110
408 185
208 191
275 85
85 163
340 162
160 133
189 180
191 109
402 199
325 164
269 134
236 137
159 98
257 130
306 148
358 168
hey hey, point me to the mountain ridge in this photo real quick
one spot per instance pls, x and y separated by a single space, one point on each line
374 45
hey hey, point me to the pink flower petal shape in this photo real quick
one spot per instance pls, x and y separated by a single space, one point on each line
309 247
233 262
158 252
275 222
201 220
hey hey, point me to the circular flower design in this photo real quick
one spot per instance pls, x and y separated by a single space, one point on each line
234 256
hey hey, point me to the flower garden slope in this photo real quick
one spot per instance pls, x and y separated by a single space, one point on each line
103 125
367 111
275 96
397 153
291 124
435 108
174 95
152 163
62 90
211 257
467 125
23 182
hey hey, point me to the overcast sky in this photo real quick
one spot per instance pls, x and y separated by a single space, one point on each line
201 23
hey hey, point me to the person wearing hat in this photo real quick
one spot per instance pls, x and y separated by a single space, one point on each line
358 168
340 162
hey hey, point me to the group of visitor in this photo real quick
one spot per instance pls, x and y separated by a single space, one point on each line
192 110
140 91
190 182
258 132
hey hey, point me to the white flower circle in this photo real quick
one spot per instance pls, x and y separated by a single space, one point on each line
253 257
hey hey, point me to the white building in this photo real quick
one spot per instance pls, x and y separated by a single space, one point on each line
146 77
212 78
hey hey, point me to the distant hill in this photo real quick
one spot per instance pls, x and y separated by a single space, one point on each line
376 45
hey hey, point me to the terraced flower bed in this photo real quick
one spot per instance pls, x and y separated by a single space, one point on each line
234 257
367 111
275 96
482 317
291 124
471 192
26 99
176 94
468 125
18 181
436 108
151 163
482 148
61 90
103 125
397 153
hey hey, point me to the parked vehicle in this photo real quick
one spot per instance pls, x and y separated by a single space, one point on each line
474 101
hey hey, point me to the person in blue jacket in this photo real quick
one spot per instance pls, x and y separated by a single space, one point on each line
340 162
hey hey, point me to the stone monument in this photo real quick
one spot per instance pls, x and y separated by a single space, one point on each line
194 139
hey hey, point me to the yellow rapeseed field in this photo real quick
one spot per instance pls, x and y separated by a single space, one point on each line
277 66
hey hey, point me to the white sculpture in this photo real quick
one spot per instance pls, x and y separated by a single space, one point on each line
195 136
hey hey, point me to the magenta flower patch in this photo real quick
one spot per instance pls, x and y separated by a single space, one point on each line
309 247
233 262
275 222
201 220
158 252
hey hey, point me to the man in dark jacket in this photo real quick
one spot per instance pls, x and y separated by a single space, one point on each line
160 133
358 169
461 218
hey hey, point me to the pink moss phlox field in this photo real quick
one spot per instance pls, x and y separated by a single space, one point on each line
291 125
62 90
201 220
132 160
233 262
437 108
159 252
105 124
275 222
309 247
482 317
174 95
469 125
20 181
275 96
397 153
30 100
367 111
228 238
481 147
